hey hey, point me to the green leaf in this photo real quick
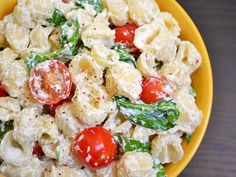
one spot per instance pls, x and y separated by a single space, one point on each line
57 18
188 137
35 58
125 56
192 92
97 5
126 145
5 127
160 170
162 115
70 35
159 64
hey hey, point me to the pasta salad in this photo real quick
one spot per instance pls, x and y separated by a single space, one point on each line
94 88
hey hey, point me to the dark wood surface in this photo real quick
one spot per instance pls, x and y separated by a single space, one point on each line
216 20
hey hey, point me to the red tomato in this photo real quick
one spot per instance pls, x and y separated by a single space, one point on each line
65 1
125 35
94 147
37 150
3 93
50 82
154 89
52 108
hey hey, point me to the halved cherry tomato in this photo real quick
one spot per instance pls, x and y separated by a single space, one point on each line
65 1
3 93
50 82
125 35
52 108
154 89
94 147
37 150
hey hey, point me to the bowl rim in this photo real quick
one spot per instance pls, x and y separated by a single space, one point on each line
204 52
210 76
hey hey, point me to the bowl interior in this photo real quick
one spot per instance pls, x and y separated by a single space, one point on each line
202 78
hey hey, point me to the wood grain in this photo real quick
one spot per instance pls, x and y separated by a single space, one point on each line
216 20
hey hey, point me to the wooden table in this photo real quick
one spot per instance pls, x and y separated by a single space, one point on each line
216 20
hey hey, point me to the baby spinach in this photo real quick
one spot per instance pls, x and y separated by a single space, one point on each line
126 145
5 127
160 171
125 56
57 18
70 35
162 115
97 5
188 137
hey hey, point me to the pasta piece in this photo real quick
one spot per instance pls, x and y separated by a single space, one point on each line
63 171
143 11
9 107
7 19
170 23
123 128
15 77
12 152
98 33
167 149
39 38
84 68
155 38
110 171
28 128
21 15
32 168
190 116
123 79
85 19
104 56
7 57
146 64
17 37
93 104
136 164
41 10
54 39
177 73
67 122
27 100
118 11
189 55
142 134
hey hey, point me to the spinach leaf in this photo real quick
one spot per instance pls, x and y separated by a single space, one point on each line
188 137
162 115
5 127
70 35
126 145
160 171
192 92
97 5
159 64
57 18
125 56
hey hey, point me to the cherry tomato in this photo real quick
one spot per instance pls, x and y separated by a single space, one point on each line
65 1
50 82
125 35
94 147
52 108
3 93
154 89
37 150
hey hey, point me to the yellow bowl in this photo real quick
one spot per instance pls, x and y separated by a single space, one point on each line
202 78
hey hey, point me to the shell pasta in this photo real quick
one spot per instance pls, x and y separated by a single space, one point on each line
94 88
